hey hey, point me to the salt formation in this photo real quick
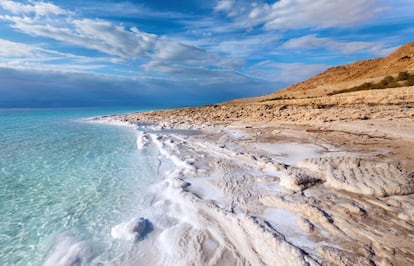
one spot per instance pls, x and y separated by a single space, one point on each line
361 176
142 140
297 179
135 229
263 205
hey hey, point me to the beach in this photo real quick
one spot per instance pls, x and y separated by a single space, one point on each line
206 133
279 183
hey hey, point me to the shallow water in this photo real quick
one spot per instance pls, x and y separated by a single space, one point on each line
65 183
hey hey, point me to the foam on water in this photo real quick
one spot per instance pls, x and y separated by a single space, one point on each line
69 251
142 140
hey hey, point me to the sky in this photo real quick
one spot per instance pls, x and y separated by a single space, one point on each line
72 53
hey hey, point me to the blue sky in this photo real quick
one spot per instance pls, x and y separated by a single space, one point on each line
157 53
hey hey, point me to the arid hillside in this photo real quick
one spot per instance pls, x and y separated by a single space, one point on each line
348 76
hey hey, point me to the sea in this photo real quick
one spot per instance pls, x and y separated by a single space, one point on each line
65 182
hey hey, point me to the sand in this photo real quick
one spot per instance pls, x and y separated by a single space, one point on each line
333 188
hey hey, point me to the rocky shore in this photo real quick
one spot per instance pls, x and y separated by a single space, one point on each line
331 176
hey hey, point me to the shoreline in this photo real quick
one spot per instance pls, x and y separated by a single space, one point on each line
244 181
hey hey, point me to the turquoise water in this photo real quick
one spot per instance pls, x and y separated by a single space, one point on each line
65 183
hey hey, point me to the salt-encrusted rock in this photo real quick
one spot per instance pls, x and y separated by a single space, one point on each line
362 176
134 229
298 179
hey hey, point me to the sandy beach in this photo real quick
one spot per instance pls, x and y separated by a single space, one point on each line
285 184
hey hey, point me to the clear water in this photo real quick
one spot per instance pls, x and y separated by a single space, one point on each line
66 180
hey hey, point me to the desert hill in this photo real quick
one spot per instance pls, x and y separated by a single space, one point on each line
347 76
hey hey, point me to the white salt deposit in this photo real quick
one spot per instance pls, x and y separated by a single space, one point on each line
290 153
131 230
361 176
197 227
294 178
238 212
165 149
204 187
286 223
142 140
109 120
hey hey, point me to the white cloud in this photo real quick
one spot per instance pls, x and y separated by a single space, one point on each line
14 49
224 5
296 14
232 8
312 41
174 57
288 73
131 44
34 57
112 39
99 35
36 8
250 46
129 9
168 51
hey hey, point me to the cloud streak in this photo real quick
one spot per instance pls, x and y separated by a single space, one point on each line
39 9
128 43
300 14
95 34
286 73
312 41
34 57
